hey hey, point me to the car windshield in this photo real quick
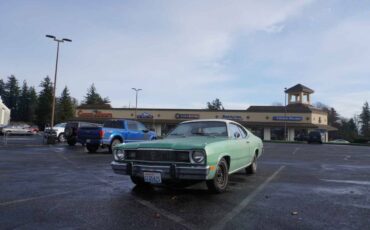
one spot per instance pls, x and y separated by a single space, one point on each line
201 128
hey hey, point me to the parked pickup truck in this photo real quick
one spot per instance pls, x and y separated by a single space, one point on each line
112 133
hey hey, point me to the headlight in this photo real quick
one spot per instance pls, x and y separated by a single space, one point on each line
198 156
119 154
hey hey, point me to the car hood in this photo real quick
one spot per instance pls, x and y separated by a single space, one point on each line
180 143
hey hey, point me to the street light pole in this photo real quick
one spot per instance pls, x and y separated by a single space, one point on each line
136 91
55 74
285 117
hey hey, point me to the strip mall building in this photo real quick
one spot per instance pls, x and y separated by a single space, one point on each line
268 122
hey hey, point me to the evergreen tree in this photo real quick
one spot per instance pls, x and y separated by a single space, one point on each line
215 105
32 95
2 89
24 102
65 106
93 99
365 120
44 104
11 96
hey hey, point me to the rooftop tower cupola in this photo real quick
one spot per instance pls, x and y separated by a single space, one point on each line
299 94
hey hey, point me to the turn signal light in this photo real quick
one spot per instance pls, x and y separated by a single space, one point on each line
212 167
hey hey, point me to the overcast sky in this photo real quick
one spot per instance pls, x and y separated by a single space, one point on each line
185 53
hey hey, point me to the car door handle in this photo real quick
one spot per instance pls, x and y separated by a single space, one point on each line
247 142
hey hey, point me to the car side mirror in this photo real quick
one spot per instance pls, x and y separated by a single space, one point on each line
145 130
236 135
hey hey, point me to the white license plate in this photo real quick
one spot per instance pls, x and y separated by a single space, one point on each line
152 177
88 140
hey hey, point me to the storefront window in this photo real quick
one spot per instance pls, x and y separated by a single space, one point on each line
277 133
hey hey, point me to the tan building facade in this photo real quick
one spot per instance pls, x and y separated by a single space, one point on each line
268 122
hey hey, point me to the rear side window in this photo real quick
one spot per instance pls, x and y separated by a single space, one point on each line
113 124
234 129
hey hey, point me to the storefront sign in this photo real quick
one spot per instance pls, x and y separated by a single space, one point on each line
287 118
186 116
94 114
145 115
232 117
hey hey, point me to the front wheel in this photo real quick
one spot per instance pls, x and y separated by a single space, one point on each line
220 181
252 168
92 148
114 143
61 138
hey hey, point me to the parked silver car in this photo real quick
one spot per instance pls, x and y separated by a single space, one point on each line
17 130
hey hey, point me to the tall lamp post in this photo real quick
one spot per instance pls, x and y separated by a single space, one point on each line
285 117
55 75
136 91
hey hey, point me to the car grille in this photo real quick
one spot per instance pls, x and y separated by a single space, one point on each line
158 155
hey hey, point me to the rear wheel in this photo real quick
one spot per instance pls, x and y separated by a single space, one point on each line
92 148
114 142
219 183
252 168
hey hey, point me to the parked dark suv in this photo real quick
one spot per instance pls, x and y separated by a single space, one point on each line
315 137
71 129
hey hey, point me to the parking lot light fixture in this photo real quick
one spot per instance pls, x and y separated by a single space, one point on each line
55 75
136 91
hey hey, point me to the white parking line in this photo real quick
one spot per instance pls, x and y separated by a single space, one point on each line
40 197
295 151
167 214
222 223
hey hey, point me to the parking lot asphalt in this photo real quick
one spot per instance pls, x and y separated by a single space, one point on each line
297 186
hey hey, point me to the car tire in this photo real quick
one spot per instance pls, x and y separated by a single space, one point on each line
114 142
252 168
92 148
220 181
71 142
61 138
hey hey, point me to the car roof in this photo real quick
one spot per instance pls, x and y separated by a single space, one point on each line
201 120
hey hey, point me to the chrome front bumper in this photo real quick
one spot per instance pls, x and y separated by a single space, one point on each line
168 171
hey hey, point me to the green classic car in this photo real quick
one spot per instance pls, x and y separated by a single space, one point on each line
198 150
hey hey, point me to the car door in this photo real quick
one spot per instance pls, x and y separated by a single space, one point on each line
134 133
239 152
248 145
144 131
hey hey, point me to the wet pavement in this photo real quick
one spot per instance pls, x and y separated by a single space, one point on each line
297 186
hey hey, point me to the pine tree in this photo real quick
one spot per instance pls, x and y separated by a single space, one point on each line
215 105
44 104
2 89
94 99
365 120
32 95
11 96
24 102
65 106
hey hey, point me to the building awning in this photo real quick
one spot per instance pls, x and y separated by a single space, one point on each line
290 125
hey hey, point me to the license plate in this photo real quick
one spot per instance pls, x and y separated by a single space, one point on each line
152 177
88 140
